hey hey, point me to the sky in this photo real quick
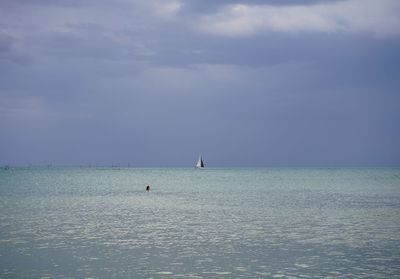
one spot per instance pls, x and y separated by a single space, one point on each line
155 83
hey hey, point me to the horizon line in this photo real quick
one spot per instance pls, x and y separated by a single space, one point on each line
187 167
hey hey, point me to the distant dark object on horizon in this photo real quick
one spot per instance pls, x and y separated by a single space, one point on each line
147 188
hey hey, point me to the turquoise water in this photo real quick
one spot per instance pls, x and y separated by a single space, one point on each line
212 223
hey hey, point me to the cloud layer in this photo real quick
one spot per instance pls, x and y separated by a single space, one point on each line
380 18
154 83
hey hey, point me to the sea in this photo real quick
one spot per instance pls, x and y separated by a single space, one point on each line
71 222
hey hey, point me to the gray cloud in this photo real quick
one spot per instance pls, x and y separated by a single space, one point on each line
377 17
134 82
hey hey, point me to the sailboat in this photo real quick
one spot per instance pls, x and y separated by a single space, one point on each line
200 164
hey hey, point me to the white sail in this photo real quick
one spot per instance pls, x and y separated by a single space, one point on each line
200 163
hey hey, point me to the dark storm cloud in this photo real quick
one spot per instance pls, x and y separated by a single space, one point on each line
153 84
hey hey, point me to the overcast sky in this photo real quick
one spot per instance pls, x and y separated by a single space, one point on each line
155 83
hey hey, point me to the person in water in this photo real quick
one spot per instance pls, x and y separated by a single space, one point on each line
148 188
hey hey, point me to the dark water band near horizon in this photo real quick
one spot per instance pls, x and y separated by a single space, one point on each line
212 223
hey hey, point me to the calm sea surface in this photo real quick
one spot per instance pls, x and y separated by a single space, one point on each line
212 223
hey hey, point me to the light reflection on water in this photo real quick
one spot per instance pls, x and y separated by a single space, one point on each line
215 223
